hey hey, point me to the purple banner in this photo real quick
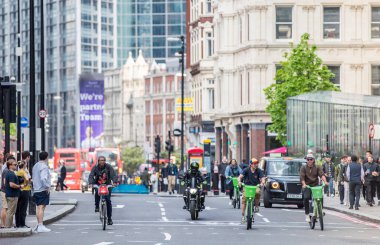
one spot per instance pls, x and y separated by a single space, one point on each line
91 113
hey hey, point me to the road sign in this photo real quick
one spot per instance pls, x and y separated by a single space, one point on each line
371 130
42 113
24 122
187 105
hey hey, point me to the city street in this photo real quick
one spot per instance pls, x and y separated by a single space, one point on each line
142 219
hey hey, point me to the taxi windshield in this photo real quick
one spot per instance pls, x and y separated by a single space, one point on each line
284 168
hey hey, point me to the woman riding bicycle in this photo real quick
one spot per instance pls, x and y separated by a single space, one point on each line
252 176
309 175
232 170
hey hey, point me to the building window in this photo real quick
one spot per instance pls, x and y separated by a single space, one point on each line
241 89
284 22
209 9
211 99
376 80
336 70
331 22
375 22
209 45
248 88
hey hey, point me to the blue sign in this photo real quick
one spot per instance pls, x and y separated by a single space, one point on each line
24 122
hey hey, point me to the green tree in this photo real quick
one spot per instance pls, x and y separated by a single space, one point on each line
13 129
301 72
132 158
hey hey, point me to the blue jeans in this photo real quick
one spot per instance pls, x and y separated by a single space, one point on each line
330 188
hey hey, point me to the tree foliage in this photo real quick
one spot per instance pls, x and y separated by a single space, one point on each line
301 72
132 157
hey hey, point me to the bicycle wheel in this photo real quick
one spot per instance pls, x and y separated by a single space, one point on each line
249 215
104 214
320 214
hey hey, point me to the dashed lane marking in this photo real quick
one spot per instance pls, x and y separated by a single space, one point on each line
266 220
168 237
260 215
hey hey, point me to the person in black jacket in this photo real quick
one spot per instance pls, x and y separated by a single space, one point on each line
193 172
371 171
62 175
103 173
222 170
355 175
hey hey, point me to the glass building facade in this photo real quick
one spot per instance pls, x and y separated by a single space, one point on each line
79 37
333 122
146 25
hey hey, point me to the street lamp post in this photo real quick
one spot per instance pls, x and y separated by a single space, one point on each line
18 53
182 52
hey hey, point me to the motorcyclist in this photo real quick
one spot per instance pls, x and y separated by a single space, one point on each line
103 173
252 176
232 170
193 172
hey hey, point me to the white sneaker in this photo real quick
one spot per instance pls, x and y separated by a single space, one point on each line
332 195
307 218
42 228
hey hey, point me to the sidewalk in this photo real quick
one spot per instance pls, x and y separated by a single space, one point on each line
365 212
57 209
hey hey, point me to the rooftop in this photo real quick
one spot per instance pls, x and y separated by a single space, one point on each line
333 97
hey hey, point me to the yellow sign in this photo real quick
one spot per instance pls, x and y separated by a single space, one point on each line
187 106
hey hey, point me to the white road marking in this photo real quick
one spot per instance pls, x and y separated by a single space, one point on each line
104 243
266 220
163 214
84 232
167 236
110 232
215 233
162 210
165 219
209 208
160 204
119 235
119 206
57 232
260 215
321 235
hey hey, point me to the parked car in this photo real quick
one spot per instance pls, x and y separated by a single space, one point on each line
283 185
84 181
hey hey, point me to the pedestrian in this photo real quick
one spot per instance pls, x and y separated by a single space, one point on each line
172 171
222 171
12 190
153 181
244 164
164 176
328 169
346 183
4 205
361 161
145 178
215 177
377 179
339 173
355 175
62 176
23 200
41 187
371 171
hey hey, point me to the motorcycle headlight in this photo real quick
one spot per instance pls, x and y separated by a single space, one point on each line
275 185
193 191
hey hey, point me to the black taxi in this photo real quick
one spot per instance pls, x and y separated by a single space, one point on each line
283 185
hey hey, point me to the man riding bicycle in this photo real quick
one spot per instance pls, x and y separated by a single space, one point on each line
103 173
193 172
309 175
252 176
232 170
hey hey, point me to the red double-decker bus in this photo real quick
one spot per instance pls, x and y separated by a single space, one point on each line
73 160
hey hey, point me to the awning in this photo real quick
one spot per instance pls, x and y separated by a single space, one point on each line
281 150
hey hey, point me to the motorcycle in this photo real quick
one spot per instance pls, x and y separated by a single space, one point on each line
193 197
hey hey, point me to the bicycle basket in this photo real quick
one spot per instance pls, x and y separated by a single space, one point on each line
317 192
235 181
250 191
103 190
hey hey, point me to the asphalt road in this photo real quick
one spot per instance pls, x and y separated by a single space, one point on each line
142 219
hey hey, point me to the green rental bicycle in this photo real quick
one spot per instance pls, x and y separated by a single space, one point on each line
250 193
317 206
236 200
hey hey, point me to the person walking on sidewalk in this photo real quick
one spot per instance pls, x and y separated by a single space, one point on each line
222 170
4 206
12 190
355 175
23 200
215 177
328 169
339 173
371 171
172 174
41 187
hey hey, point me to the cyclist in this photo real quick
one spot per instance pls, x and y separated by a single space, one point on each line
251 176
103 173
194 172
309 175
232 170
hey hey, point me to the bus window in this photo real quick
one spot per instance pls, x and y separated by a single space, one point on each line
71 166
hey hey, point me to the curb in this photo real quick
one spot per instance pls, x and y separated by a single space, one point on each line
360 216
20 232
64 202
59 214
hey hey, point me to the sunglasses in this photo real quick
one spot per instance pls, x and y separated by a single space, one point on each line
310 159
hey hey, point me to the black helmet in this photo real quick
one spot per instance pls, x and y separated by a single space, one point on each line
194 166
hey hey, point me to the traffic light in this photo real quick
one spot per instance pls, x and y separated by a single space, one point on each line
167 145
157 144
7 100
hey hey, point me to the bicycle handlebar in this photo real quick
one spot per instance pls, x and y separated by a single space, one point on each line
108 186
